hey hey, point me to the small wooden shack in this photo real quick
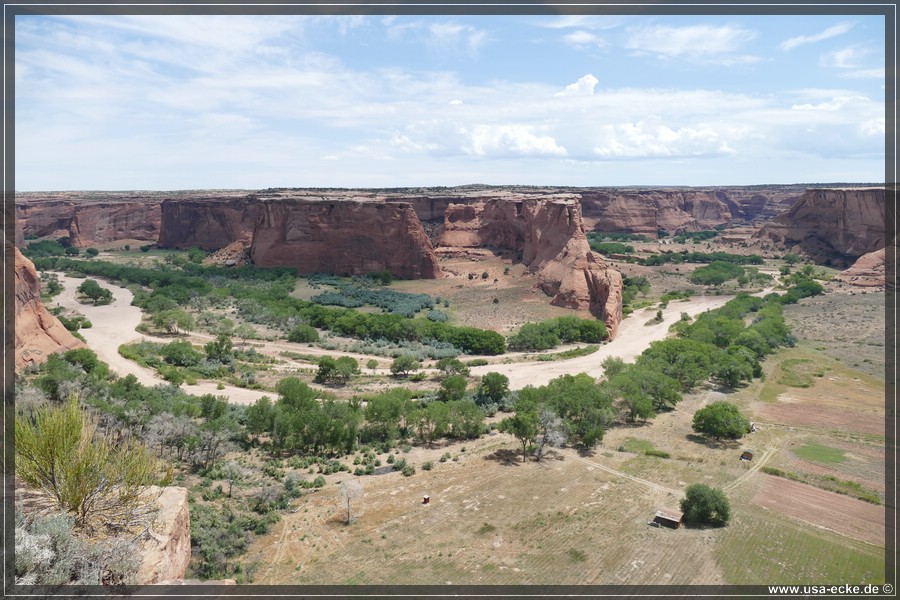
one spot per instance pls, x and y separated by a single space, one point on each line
668 517
747 455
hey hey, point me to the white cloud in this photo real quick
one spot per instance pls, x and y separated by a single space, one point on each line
643 139
698 42
834 104
581 40
580 21
583 87
846 58
873 127
492 140
831 32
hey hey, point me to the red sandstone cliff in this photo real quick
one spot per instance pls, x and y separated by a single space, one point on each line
867 271
345 237
649 211
833 226
549 233
88 219
38 333
210 222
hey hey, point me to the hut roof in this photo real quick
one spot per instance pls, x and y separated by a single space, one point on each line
670 514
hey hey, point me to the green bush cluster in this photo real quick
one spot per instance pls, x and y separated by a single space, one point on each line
562 330
686 256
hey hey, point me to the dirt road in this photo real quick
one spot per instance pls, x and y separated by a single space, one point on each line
633 338
114 324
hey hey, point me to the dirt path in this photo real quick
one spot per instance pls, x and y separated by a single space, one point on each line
114 324
632 339
644 482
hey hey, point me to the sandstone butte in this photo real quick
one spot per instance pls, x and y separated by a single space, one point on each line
549 234
867 271
38 333
831 225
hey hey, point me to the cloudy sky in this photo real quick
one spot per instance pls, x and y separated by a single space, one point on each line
181 102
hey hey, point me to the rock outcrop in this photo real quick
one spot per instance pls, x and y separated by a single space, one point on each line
88 219
210 222
346 237
867 271
651 211
548 234
832 226
38 333
166 551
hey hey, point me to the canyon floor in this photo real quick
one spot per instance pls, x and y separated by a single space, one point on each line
582 518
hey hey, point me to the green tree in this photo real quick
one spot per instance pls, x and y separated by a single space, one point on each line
404 364
493 387
721 419
92 252
90 289
452 388
584 406
220 349
181 354
452 366
524 426
303 333
430 422
466 419
99 482
705 505
372 364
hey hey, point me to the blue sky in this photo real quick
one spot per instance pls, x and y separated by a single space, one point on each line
182 102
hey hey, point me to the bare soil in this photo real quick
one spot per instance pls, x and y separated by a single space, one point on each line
826 510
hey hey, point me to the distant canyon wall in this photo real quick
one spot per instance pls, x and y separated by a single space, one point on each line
832 226
344 237
548 233
88 219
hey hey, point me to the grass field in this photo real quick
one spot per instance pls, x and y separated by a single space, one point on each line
821 454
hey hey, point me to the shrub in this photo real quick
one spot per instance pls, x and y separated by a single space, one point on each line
303 334
99 482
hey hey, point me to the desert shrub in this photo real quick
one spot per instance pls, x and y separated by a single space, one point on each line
47 552
99 482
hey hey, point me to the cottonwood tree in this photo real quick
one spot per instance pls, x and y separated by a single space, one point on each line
721 419
350 490
705 505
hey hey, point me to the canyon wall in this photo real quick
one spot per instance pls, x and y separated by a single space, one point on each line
210 223
832 226
649 211
88 219
344 237
38 333
867 272
548 233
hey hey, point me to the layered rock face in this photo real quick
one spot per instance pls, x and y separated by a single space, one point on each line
38 333
210 223
346 238
88 219
867 271
548 231
832 226
649 211
167 550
